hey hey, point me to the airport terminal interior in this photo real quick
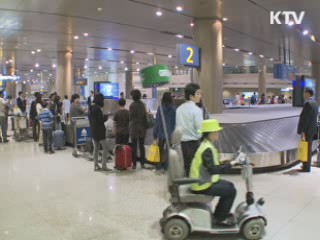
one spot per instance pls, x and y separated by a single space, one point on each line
109 108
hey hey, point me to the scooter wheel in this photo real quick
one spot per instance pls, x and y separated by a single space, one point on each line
176 229
253 229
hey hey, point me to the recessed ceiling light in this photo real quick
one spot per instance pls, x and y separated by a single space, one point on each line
122 62
24 82
179 36
261 56
179 8
305 32
87 59
192 24
37 65
150 53
126 69
85 67
7 62
132 52
38 50
225 19
38 74
31 70
54 66
170 56
100 67
271 59
237 49
50 74
138 69
223 64
86 34
250 53
76 37
176 67
33 52
99 9
109 49
159 13
137 63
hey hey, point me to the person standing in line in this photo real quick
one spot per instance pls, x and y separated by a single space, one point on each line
76 110
9 111
3 119
237 99
33 116
253 100
189 118
203 109
122 95
90 99
66 108
158 130
21 103
46 118
98 132
308 124
121 123
263 99
138 127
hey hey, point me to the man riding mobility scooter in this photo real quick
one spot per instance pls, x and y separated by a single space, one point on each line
191 212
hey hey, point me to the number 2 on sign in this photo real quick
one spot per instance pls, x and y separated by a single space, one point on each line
190 58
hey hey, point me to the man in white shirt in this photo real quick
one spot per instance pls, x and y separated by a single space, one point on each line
66 108
3 119
189 118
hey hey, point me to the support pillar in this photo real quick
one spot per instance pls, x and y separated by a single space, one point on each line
262 88
11 89
129 83
208 36
316 76
64 76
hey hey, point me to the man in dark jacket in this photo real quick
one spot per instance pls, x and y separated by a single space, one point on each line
21 103
33 117
308 124
98 132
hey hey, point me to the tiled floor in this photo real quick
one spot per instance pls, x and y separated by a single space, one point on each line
59 197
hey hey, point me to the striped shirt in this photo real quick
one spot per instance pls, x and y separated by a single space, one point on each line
46 118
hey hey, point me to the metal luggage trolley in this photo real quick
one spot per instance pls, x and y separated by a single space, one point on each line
82 137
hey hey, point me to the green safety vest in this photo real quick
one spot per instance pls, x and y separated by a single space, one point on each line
198 170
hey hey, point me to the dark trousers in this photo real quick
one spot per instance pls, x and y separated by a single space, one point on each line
138 143
164 155
47 139
227 193
35 129
4 127
188 151
122 139
306 166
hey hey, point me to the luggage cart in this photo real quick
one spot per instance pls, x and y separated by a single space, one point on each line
21 128
82 142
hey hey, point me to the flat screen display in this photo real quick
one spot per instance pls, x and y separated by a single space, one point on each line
310 83
108 90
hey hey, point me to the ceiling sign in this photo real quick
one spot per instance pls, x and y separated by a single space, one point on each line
188 55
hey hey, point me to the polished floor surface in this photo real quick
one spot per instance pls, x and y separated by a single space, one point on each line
58 197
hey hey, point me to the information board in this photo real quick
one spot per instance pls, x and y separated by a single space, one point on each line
189 55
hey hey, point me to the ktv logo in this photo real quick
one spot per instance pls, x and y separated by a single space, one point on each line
290 17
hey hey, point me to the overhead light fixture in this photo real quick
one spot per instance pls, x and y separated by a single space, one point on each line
237 49
126 69
313 38
85 67
179 36
179 8
261 56
225 19
137 63
150 53
159 13
33 52
291 23
38 74
176 67
192 24
76 37
54 65
100 67
305 32
38 50
7 62
37 65
271 59
86 34
122 62
99 9
109 49
170 56
132 51
138 69
50 74
223 64
250 53
31 70
87 59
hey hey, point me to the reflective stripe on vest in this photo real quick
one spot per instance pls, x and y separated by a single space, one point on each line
198 171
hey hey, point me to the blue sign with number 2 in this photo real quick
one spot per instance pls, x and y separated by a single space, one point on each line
189 55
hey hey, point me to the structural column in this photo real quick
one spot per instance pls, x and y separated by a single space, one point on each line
129 83
208 36
316 75
262 88
64 76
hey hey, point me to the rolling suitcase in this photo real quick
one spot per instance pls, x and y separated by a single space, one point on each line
59 141
123 157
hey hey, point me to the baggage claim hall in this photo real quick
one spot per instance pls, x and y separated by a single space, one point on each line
159 120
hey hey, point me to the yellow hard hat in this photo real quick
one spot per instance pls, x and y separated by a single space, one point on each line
210 125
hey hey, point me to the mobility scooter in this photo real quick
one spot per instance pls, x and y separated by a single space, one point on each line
191 212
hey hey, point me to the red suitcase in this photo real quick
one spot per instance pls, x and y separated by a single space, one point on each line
123 157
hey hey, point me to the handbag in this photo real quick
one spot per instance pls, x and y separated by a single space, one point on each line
303 151
153 154
150 120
